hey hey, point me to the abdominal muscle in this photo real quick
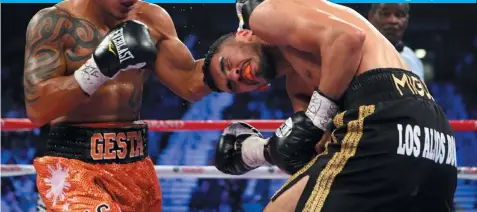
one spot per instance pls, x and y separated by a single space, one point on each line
118 100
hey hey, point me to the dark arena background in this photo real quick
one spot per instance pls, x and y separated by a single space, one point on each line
443 36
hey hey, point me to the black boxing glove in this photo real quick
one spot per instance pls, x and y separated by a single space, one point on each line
240 149
128 45
293 144
244 11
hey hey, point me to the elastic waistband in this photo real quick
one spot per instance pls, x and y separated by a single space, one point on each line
99 142
384 84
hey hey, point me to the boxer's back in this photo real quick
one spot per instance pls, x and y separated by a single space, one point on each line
78 34
378 52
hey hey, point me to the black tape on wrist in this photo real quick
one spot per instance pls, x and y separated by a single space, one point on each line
326 96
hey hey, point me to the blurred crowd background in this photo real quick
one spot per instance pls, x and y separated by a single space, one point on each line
442 37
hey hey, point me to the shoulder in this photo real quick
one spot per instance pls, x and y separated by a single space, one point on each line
269 21
278 7
269 7
48 23
157 19
49 14
274 3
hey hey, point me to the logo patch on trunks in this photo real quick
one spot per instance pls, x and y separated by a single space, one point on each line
412 84
57 183
108 146
425 142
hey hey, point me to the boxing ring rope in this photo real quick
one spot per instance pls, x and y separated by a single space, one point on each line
209 172
207 125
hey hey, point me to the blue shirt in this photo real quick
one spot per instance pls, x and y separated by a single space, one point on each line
414 63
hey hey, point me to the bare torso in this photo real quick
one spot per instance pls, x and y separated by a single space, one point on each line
377 53
118 99
303 69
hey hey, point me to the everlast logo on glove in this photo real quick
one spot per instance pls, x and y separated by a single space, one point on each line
115 54
117 38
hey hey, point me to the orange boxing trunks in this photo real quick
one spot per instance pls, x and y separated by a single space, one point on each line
96 168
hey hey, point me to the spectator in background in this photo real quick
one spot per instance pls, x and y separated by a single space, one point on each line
224 202
203 199
40 143
391 20
9 200
24 186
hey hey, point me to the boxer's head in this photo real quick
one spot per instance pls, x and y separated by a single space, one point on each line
390 19
118 9
235 63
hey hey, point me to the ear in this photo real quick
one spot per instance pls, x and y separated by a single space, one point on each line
244 34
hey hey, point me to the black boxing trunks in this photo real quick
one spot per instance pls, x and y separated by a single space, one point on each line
98 167
392 149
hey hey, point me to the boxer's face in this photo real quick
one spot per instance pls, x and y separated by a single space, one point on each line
119 9
241 66
391 20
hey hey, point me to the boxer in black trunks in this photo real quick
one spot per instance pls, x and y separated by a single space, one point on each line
391 147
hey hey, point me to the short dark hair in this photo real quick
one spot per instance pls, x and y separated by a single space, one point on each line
374 7
214 48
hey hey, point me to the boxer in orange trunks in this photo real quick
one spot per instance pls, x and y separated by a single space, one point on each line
85 65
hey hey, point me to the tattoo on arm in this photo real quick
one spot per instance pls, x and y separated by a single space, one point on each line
45 50
42 50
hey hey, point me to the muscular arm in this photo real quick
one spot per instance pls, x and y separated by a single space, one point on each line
175 66
48 94
300 97
316 31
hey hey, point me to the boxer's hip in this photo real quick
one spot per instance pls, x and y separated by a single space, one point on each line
75 185
391 144
99 143
391 119
382 85
98 165
391 111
